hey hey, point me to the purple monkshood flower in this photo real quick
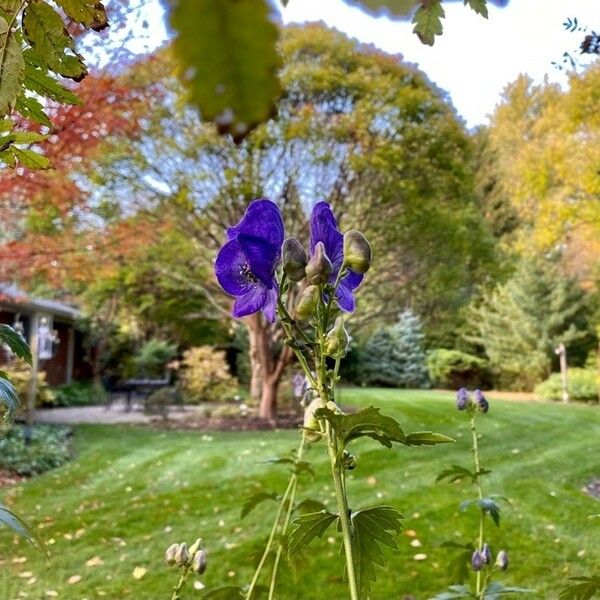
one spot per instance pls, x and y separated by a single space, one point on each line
486 552
477 561
462 399
480 400
323 228
245 265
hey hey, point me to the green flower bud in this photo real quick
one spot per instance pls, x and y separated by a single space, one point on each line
357 251
171 553
307 302
311 423
319 267
182 556
336 342
349 461
199 562
195 547
294 259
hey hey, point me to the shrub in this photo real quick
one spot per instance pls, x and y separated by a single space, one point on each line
205 376
394 356
48 448
158 402
78 393
19 373
454 369
582 385
153 357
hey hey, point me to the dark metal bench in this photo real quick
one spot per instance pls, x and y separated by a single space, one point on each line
132 387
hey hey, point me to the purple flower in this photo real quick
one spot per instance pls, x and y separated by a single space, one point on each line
462 399
486 552
323 228
245 266
480 400
477 561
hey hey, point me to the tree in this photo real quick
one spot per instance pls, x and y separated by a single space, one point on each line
395 356
521 322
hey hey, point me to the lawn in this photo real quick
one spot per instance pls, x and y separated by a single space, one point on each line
132 491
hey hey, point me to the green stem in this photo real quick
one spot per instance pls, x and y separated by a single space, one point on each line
479 588
177 589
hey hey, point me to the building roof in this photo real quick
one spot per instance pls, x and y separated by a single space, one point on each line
13 296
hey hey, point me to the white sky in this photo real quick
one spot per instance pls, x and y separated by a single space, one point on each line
475 58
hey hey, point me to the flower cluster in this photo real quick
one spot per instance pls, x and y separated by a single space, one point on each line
464 401
189 560
482 559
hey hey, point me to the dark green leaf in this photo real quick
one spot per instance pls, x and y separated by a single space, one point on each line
428 21
12 68
253 501
495 590
87 12
372 529
39 81
308 527
8 395
583 588
479 6
32 109
30 159
368 422
44 29
427 438
21 528
457 473
455 592
488 505
309 506
15 341
229 60
298 467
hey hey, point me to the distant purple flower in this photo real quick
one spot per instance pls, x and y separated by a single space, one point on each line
245 266
462 399
323 228
477 561
480 400
300 385
486 552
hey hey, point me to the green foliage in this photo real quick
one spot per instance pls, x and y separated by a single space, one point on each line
458 473
307 528
428 21
205 376
228 60
521 322
453 369
19 374
78 393
582 588
152 358
582 384
48 449
159 401
395 356
15 342
371 529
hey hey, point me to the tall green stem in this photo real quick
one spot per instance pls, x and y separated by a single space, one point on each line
479 588
177 589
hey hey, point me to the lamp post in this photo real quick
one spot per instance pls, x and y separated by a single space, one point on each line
561 351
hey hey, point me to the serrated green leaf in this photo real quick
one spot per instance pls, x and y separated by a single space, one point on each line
253 501
496 590
584 588
455 592
12 68
45 31
479 6
488 505
371 529
309 506
368 422
39 81
229 60
15 341
427 438
457 473
87 12
428 21
307 528
298 467
31 159
7 158
21 528
32 109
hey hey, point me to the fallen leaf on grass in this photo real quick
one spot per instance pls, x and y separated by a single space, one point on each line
139 572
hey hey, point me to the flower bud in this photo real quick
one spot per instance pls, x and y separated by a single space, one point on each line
336 342
195 547
294 259
311 423
502 560
477 561
307 302
481 402
357 251
199 562
487 554
462 399
319 267
182 556
349 461
171 553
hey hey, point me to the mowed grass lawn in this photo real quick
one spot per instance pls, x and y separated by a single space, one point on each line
132 491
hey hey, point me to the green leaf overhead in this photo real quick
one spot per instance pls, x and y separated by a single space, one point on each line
428 21
395 8
427 438
12 68
45 31
229 60
39 81
372 529
87 12
21 528
31 159
8 396
307 528
15 341
479 6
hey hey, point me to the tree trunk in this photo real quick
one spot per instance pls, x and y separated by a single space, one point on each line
267 408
